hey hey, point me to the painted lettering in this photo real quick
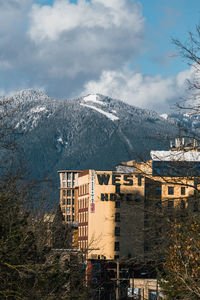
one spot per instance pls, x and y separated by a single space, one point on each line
128 180
104 197
113 197
103 179
116 179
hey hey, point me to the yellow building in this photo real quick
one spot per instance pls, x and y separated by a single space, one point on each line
110 214
111 207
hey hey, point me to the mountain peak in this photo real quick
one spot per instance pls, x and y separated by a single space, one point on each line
30 95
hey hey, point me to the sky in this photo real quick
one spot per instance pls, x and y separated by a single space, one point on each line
118 48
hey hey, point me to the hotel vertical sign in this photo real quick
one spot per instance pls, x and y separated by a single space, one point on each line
92 204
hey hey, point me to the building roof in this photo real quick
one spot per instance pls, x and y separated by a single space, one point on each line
175 156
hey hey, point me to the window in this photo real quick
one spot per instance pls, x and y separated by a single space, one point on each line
117 217
183 190
68 193
68 218
64 184
72 193
182 204
73 218
63 201
69 184
117 204
139 180
73 201
68 201
158 190
68 210
63 209
153 295
117 231
196 206
69 176
170 190
64 192
137 293
116 246
170 203
73 209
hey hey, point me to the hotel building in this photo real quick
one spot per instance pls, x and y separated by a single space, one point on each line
109 206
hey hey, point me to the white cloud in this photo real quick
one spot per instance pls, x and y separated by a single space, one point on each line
49 22
72 48
143 91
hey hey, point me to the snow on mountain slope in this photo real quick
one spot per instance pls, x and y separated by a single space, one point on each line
108 115
92 131
93 98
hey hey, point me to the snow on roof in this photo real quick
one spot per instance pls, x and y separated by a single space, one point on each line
175 156
108 115
93 98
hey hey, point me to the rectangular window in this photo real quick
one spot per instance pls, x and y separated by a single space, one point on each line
139 180
68 201
117 231
170 190
64 184
158 190
182 204
63 201
183 190
116 246
69 176
68 210
68 193
73 218
73 201
170 203
63 209
72 193
68 183
73 209
137 293
68 218
117 217
154 295
117 204
64 192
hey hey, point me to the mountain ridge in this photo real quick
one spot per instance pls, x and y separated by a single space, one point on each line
92 131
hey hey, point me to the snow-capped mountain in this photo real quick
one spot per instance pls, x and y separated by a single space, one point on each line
185 121
93 131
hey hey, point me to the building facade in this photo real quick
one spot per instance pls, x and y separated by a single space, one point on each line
109 208
112 208
68 194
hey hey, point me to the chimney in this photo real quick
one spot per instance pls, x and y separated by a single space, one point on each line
177 143
195 143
